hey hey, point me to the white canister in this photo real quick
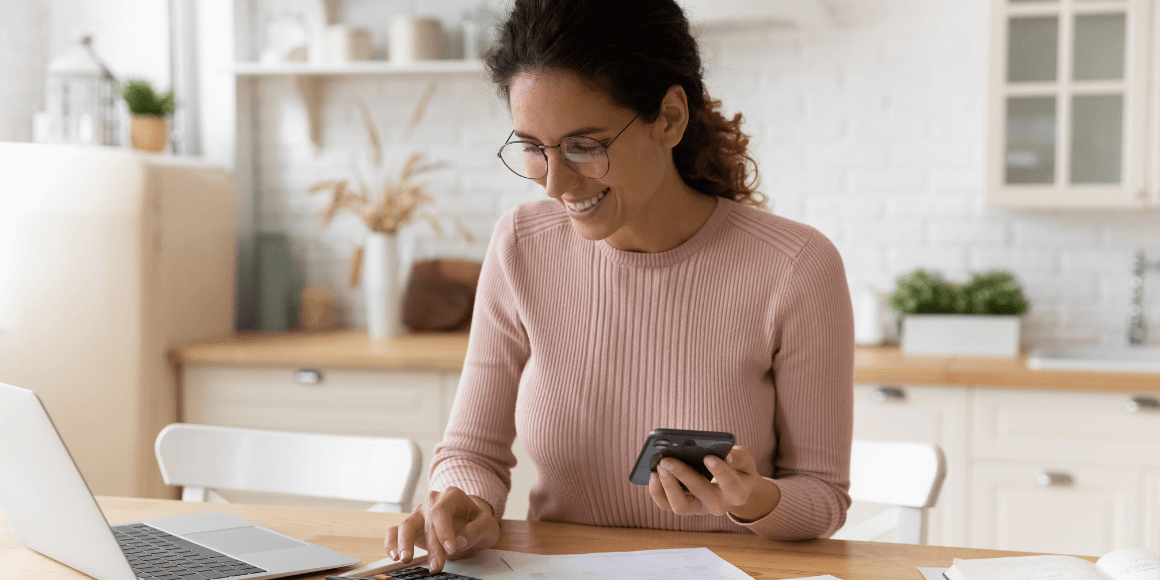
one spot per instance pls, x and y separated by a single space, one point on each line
412 38
344 43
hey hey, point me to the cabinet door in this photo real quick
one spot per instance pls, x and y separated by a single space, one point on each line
1067 426
1068 104
1056 508
345 402
1152 511
922 414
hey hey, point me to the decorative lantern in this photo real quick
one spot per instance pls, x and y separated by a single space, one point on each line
81 97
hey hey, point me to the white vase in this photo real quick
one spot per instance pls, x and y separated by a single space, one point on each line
960 335
380 272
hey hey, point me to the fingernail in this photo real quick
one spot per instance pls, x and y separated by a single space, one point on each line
405 555
729 458
711 461
662 469
462 541
652 478
447 545
433 563
394 555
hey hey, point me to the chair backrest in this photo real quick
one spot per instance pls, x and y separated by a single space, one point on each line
373 469
905 475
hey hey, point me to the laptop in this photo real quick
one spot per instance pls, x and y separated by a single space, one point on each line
50 509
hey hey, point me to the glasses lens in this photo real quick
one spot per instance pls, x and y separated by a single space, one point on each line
585 155
525 159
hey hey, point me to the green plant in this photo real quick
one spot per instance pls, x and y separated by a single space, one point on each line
986 293
143 100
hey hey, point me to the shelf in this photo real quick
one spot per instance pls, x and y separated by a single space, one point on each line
311 78
367 67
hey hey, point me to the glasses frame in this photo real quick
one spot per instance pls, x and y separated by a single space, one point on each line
541 147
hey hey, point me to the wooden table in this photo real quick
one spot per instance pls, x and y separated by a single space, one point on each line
360 534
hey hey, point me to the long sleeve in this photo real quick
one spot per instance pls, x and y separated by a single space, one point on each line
813 369
583 349
476 452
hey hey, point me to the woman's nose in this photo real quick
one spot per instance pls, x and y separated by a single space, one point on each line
560 178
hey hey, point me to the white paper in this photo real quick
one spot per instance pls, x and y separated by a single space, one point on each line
680 564
1131 564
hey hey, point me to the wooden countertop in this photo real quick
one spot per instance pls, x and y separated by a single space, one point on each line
444 352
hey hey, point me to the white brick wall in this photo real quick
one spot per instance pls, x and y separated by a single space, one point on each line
872 132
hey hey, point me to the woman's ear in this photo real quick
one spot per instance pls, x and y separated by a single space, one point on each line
674 117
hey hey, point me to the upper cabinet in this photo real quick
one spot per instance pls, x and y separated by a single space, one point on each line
1072 114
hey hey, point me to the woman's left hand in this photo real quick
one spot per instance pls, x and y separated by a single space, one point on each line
735 481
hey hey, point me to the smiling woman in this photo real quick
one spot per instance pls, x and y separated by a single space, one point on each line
645 293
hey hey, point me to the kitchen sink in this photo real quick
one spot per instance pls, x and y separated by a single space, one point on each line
1140 359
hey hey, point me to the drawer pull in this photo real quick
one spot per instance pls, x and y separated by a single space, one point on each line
308 376
886 394
1054 479
1137 404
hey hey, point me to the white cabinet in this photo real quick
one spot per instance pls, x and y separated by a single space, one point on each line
926 414
1061 471
1034 470
1072 118
1054 507
1152 511
415 405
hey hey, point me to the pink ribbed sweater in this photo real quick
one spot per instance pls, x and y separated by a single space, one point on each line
582 349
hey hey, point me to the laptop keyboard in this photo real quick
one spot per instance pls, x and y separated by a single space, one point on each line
157 555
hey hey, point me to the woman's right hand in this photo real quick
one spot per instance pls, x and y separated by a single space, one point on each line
449 525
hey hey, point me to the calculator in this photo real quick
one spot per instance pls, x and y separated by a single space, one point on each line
416 573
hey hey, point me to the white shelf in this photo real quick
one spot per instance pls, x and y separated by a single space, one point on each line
368 67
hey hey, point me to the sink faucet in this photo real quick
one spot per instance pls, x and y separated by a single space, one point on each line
1137 326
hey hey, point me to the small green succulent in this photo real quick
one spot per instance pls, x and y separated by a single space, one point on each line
987 293
143 100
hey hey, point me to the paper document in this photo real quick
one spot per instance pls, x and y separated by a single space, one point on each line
680 564
932 573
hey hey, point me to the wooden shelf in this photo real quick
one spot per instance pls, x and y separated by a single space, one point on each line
359 68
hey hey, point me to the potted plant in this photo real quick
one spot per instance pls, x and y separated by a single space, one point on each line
148 129
978 318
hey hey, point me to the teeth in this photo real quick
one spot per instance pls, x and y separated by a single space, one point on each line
586 203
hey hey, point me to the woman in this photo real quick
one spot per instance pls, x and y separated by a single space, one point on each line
645 292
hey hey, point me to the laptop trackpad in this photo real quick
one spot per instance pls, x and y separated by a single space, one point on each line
246 540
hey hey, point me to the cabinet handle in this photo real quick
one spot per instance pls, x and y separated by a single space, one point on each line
1137 404
308 376
886 394
1054 479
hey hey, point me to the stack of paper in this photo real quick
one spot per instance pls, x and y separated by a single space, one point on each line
681 564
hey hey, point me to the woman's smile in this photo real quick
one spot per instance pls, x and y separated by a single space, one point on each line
585 207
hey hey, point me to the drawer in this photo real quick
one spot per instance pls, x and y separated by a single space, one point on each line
1077 427
1054 507
342 401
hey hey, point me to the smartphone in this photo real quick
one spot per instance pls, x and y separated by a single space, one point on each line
692 447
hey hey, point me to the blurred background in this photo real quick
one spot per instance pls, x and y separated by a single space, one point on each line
955 136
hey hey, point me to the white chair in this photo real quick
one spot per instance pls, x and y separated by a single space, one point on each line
201 458
907 476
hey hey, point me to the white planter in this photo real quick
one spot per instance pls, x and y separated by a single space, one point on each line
380 273
960 335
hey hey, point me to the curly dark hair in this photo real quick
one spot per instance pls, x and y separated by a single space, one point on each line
634 51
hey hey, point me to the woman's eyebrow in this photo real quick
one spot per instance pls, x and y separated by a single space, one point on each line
581 131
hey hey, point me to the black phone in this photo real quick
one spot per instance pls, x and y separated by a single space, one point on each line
689 446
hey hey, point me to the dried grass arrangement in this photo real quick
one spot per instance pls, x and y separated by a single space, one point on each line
393 201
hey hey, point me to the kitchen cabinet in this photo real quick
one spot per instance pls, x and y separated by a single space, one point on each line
929 414
1073 105
1029 469
1152 510
1065 508
410 404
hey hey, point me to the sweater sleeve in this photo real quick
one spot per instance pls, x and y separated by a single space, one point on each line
813 371
476 452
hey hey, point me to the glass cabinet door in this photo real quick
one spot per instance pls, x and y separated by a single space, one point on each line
1068 92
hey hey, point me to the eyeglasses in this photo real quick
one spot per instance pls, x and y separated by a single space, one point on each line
584 155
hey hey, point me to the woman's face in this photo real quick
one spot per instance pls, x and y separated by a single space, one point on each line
549 106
